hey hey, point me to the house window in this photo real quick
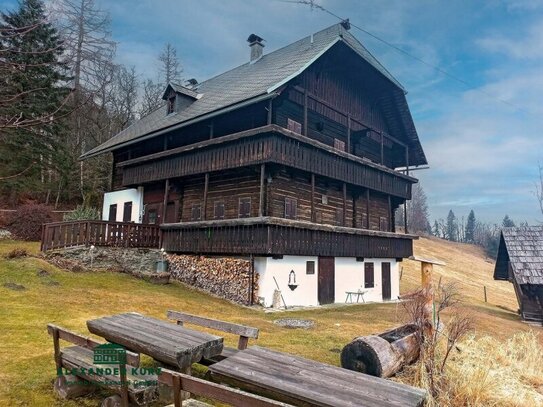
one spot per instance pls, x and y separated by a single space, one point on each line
112 213
218 210
196 212
369 275
383 224
127 212
290 208
244 207
294 126
309 267
152 216
171 104
339 145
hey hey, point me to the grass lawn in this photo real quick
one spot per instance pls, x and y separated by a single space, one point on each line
70 299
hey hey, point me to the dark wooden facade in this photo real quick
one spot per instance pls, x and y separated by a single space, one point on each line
320 152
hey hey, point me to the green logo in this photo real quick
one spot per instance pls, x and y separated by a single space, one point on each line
109 354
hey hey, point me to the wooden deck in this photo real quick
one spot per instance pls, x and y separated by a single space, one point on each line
304 382
276 236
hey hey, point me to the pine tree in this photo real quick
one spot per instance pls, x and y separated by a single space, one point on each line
451 227
38 78
436 230
470 227
508 222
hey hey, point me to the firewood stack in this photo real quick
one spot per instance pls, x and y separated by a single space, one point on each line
226 277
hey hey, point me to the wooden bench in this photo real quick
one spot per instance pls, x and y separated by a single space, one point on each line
244 332
80 358
181 382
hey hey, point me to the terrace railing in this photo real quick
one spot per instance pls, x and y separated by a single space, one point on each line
59 235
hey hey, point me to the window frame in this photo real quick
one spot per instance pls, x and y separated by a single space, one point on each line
241 205
196 206
369 279
291 203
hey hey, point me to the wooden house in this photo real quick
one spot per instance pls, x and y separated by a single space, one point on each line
297 158
520 261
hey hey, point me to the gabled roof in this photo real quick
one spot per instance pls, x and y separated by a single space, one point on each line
252 82
522 247
177 88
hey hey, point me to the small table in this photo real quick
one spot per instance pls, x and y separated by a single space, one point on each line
359 294
300 381
171 344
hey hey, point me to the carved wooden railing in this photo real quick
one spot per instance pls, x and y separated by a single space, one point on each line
98 233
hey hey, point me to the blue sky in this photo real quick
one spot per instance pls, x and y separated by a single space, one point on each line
483 153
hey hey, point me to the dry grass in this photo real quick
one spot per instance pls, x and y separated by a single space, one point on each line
27 368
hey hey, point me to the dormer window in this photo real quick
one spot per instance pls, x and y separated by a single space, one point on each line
171 104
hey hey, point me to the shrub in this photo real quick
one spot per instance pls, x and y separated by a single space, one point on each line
15 253
83 213
26 223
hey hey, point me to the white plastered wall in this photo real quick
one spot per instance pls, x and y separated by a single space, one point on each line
120 197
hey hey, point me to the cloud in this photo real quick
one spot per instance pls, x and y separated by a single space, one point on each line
525 45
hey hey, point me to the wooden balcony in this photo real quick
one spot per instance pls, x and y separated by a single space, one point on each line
276 236
267 144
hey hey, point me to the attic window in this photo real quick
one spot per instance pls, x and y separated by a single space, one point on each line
171 104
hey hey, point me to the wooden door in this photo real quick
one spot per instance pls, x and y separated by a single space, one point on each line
127 212
385 281
326 280
171 212
112 213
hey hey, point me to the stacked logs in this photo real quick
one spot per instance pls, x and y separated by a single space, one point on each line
226 277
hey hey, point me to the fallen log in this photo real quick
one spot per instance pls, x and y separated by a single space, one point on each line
382 355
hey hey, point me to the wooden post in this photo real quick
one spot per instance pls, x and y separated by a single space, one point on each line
206 188
427 270
349 134
165 143
211 130
484 287
368 208
165 203
56 347
312 197
382 149
390 223
405 216
124 384
305 112
261 198
406 160
270 107
344 204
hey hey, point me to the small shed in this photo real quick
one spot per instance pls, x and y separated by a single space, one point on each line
520 261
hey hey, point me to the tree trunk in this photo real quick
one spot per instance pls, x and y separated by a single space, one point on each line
382 355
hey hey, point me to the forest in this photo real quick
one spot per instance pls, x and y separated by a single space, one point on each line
61 94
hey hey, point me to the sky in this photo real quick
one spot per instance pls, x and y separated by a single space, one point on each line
483 140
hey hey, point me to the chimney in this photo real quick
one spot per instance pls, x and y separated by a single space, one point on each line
256 45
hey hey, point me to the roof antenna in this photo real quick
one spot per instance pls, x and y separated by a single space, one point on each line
346 24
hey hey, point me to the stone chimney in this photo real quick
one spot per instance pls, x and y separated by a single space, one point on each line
256 45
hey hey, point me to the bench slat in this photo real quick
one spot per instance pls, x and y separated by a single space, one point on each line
223 326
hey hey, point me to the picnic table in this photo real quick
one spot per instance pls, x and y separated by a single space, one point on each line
171 344
303 382
359 294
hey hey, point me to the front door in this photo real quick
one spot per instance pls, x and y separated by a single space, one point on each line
385 280
326 280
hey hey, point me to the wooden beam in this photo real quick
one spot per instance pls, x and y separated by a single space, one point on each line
206 188
382 149
349 134
270 111
344 204
406 160
313 197
405 216
165 202
261 198
305 112
389 215
368 208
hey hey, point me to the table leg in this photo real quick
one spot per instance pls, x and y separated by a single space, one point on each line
185 395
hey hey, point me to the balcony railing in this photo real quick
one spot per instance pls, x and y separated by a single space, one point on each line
275 236
98 233
268 144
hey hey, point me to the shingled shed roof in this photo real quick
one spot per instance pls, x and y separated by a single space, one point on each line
253 82
523 248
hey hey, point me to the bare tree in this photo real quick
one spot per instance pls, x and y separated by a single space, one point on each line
151 98
170 68
539 188
417 212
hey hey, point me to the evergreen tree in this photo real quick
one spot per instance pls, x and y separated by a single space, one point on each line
38 79
451 227
508 222
470 228
436 230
